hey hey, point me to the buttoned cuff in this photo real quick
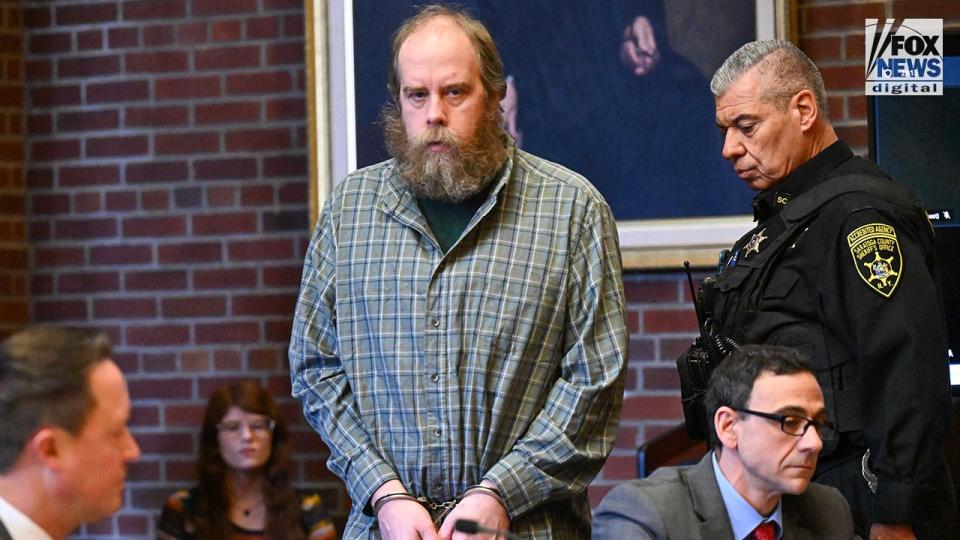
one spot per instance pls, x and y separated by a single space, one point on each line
518 485
366 475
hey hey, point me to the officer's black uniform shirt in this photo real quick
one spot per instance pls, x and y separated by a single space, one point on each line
767 203
847 278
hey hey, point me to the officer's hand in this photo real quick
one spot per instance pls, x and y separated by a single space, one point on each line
889 531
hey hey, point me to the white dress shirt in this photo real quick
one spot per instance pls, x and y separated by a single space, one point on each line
19 525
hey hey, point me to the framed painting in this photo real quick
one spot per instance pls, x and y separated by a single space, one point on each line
617 91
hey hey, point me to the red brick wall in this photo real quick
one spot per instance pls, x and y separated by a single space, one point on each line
167 204
13 229
661 315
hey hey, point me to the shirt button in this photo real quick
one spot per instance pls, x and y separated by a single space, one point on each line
435 377
441 267
438 486
436 433
435 323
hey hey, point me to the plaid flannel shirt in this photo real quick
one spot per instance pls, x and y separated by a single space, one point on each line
501 359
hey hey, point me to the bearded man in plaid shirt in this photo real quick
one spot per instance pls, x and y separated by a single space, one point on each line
459 340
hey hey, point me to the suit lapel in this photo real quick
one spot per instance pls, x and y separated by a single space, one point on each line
793 529
707 501
4 535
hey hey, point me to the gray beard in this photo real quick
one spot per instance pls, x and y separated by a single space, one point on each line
455 175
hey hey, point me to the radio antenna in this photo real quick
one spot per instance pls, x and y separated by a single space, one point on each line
696 303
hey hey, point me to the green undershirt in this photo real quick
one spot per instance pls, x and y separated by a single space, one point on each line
448 220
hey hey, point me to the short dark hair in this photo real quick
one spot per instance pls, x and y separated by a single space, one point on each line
44 381
491 66
732 382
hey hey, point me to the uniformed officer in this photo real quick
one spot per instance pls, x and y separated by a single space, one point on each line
841 267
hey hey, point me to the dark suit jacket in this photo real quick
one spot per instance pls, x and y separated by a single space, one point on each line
685 502
4 535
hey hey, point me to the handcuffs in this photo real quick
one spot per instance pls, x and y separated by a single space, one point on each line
439 510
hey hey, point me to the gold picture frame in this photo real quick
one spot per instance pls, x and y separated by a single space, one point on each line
646 244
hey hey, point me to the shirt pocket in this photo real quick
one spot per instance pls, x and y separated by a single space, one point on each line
781 284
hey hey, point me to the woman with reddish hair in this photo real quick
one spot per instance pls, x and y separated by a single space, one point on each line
243 467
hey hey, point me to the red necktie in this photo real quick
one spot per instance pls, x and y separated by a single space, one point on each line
765 531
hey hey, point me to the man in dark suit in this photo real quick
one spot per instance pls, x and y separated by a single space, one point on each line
767 422
64 443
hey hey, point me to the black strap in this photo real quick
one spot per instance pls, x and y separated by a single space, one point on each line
814 199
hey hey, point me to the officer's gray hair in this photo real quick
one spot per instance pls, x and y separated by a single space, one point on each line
784 68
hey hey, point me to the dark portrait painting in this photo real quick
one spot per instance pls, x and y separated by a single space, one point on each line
617 90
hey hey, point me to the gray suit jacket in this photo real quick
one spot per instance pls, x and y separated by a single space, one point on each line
685 503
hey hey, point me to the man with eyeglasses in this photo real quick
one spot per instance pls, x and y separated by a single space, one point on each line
767 422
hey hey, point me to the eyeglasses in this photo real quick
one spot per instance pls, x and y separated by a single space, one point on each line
260 426
795 425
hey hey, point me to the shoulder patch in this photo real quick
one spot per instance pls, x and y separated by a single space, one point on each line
876 256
